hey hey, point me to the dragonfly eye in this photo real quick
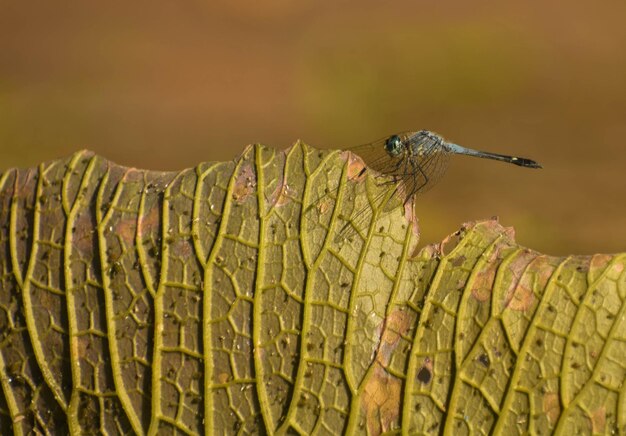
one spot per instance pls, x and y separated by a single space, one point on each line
394 146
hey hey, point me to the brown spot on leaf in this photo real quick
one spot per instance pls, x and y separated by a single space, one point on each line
126 229
149 223
381 401
83 235
458 261
598 420
324 205
450 242
600 261
492 229
519 295
282 195
411 217
134 175
521 299
510 233
356 167
396 325
245 184
551 406
618 267
535 277
223 378
182 248
483 280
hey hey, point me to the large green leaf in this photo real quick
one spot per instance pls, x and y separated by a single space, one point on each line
220 300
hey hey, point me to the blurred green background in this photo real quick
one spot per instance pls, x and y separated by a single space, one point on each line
166 85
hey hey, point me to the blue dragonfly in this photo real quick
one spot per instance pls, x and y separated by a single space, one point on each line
410 163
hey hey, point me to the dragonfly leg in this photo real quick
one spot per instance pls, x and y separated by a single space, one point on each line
419 168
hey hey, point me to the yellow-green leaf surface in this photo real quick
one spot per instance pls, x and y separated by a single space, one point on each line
219 300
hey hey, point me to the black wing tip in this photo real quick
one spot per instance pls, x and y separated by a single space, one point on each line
527 163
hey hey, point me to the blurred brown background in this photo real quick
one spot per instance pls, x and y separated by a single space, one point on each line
166 85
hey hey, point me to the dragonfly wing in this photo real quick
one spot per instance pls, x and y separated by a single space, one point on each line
376 157
379 204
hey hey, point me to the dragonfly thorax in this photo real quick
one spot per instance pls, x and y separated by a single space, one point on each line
424 142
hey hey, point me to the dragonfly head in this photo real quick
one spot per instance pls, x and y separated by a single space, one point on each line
394 146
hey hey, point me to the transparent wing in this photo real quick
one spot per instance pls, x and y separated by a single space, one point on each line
360 220
388 174
400 178
374 157
406 177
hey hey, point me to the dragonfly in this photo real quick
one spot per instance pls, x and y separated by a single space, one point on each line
410 163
